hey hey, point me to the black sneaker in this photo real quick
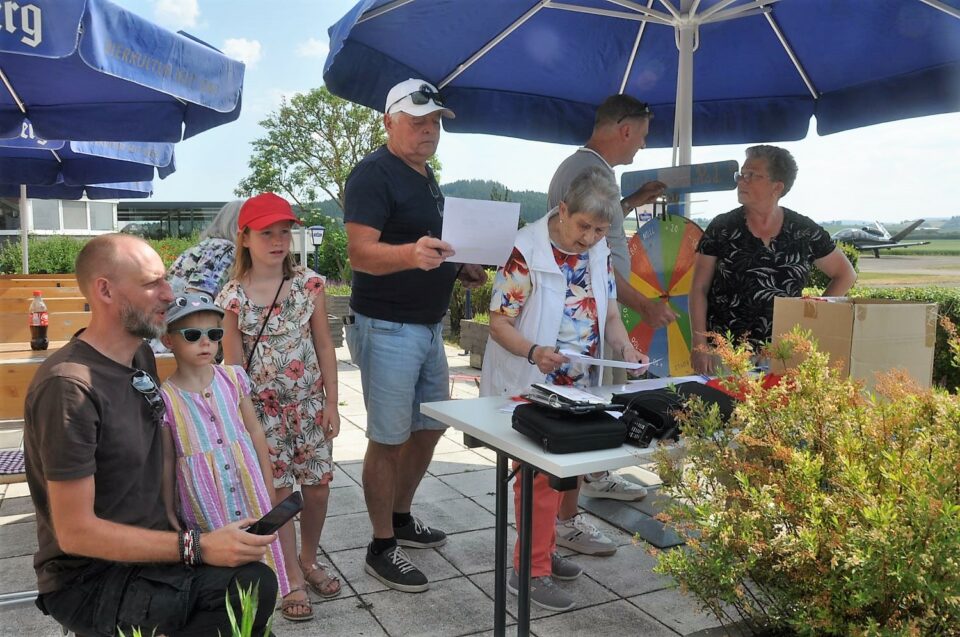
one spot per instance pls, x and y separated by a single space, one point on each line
394 568
418 535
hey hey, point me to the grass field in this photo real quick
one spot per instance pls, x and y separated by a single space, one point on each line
944 247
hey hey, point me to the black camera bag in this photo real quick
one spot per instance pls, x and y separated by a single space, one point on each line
650 414
564 432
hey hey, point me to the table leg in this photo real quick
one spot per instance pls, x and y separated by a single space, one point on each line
500 569
526 533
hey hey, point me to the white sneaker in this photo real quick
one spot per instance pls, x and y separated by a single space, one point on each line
612 487
581 536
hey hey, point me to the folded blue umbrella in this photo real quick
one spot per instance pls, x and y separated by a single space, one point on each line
90 70
132 190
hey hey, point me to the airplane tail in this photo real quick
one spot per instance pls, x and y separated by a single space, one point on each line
900 236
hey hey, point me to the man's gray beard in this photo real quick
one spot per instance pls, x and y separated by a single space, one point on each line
138 323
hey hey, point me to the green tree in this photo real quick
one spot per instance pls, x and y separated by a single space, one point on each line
310 145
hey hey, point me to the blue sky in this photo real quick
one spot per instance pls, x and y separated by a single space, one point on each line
891 172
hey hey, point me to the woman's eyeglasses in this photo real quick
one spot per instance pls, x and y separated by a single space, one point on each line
748 176
437 196
143 383
421 96
193 334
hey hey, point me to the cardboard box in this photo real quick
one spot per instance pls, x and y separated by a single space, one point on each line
867 335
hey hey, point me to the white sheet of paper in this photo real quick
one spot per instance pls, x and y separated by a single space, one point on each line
479 231
589 360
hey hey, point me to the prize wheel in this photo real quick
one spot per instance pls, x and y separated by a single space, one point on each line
662 253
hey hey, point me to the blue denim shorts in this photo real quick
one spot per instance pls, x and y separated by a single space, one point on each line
401 365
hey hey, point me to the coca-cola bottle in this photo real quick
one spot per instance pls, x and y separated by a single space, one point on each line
39 319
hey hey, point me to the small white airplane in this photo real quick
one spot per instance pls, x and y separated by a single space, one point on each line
877 238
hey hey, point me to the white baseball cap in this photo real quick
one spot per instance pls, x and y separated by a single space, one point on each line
417 98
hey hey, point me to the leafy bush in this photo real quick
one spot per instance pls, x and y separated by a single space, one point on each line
945 373
818 510
334 262
819 280
47 255
171 248
479 301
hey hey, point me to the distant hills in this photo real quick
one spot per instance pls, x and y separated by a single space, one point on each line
533 204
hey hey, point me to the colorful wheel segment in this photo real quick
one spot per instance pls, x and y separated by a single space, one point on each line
661 263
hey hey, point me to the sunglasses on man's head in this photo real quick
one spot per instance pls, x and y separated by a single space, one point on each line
421 96
642 111
193 334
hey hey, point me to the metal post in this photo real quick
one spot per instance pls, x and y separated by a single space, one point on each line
500 541
526 533
26 214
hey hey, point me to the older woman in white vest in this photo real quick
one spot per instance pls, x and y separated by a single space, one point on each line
557 291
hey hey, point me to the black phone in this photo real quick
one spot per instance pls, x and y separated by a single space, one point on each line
278 515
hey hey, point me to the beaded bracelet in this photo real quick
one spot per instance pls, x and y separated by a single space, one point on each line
197 559
530 354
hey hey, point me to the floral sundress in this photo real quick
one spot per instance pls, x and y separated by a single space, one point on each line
287 383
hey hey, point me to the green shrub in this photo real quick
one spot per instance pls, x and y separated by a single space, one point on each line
479 301
47 255
817 510
333 261
819 280
171 248
945 373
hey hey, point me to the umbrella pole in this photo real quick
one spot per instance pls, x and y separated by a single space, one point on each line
683 121
25 210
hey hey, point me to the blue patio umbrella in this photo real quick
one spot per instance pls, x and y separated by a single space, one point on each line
714 71
127 190
90 70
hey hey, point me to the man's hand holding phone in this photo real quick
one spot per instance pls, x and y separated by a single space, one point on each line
231 545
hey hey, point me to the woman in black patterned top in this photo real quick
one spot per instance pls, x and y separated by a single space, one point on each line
757 252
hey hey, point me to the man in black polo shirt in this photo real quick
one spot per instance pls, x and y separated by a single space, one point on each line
393 212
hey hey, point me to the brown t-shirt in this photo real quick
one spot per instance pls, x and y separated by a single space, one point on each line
83 417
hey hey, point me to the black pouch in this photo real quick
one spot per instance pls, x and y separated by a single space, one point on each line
651 414
564 432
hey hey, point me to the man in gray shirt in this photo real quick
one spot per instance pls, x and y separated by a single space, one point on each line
619 131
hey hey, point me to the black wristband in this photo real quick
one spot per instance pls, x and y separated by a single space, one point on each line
530 354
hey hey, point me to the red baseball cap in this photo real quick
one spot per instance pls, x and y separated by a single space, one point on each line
263 210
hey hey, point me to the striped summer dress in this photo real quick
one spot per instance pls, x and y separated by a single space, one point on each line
218 477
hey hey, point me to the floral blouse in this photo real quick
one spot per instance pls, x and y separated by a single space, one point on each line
579 327
205 266
749 274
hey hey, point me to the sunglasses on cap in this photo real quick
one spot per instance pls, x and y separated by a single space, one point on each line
193 334
641 111
421 96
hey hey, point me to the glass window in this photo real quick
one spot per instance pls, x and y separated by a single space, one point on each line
75 215
46 214
101 215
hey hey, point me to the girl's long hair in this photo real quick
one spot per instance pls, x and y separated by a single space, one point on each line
243 263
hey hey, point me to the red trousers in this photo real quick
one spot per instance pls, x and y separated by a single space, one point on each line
546 505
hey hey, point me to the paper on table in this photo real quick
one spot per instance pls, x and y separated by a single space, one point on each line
589 360
480 232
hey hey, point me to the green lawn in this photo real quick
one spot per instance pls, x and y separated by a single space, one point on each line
946 247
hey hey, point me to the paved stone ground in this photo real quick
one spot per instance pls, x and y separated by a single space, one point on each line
619 595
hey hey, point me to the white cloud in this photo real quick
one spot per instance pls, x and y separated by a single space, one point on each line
176 14
247 51
313 48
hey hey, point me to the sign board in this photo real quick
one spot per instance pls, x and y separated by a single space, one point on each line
709 177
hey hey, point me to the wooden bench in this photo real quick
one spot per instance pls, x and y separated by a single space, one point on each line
47 292
43 283
18 364
55 304
14 327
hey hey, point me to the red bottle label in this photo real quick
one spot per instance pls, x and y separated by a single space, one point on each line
39 319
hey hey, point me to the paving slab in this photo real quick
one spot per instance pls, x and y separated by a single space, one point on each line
627 573
474 551
336 617
449 608
18 539
675 609
18 574
351 562
349 531
458 462
433 489
346 499
473 483
586 591
615 619
455 516
27 620
353 469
